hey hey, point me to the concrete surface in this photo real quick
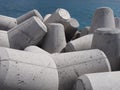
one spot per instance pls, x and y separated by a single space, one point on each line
55 40
103 17
74 64
108 40
27 33
99 81
29 15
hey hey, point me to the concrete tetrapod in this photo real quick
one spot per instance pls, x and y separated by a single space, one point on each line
35 49
108 40
27 33
7 23
46 17
60 15
55 40
29 15
82 43
117 22
71 26
103 17
74 64
22 70
99 81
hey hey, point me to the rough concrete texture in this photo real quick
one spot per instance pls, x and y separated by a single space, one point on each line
76 35
85 31
108 40
117 22
55 40
60 15
22 70
103 17
71 26
29 15
27 33
74 64
4 41
82 43
7 23
35 49
99 81
46 17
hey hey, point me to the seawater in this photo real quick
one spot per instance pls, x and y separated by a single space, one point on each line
82 10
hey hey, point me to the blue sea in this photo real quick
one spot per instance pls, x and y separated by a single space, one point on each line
82 10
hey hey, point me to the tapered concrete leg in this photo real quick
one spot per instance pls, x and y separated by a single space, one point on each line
99 81
71 26
7 23
20 70
74 64
46 17
59 15
85 31
4 41
29 15
27 33
117 22
55 39
108 40
103 17
35 49
76 35
82 43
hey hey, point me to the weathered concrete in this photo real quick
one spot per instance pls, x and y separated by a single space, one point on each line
20 70
117 22
35 49
103 17
46 17
4 41
60 15
7 23
76 35
27 33
82 43
29 15
74 64
55 40
71 26
99 81
85 31
108 40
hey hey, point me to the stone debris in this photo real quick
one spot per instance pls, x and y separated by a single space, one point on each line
51 53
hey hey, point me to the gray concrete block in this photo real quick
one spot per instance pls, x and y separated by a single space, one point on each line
108 40
71 26
46 17
29 15
103 17
27 33
60 15
99 81
82 43
74 64
35 49
85 31
7 23
117 22
20 70
4 40
55 40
